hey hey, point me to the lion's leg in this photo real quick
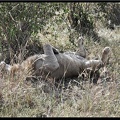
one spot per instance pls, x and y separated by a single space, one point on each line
92 69
93 66
99 63
105 54
50 62
81 50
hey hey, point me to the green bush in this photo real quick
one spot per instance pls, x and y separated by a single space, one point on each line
19 21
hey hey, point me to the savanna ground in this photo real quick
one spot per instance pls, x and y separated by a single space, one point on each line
74 98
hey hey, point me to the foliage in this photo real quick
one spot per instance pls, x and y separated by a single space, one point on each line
110 11
19 21
84 16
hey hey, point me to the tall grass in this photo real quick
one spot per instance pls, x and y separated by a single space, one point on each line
25 99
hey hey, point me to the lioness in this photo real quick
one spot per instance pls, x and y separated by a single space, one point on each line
58 65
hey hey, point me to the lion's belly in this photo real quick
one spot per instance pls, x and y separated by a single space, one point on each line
68 66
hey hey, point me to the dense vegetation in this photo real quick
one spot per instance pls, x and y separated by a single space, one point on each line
23 29
20 21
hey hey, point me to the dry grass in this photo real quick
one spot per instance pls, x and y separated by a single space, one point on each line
74 98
